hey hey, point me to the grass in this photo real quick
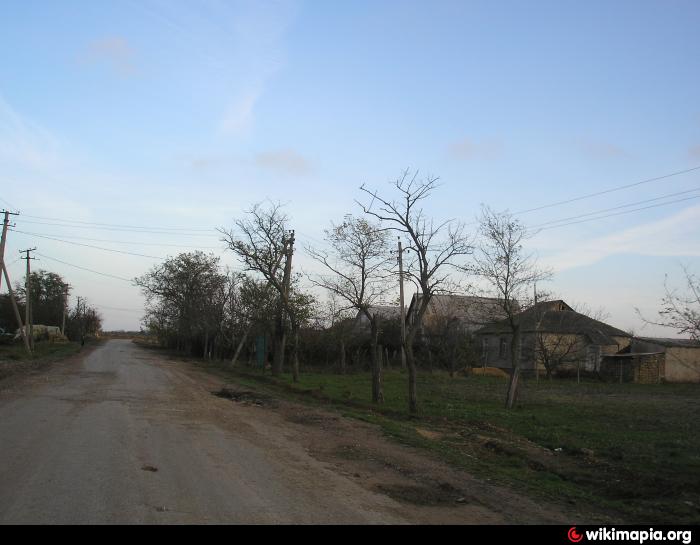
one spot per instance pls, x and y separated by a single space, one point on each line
15 359
625 452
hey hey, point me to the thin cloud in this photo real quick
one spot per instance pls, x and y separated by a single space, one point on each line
694 152
284 161
603 150
115 52
25 143
670 236
239 114
467 149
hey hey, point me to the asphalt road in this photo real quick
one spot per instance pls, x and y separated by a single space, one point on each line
126 437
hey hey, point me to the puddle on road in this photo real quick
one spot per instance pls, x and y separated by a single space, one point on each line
246 397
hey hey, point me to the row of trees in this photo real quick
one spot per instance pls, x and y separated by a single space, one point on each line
49 302
193 305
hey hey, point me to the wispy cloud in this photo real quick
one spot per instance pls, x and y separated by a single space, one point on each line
603 150
25 143
113 51
468 149
671 236
239 113
284 161
694 152
240 44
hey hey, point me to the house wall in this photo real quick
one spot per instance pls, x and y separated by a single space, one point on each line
491 353
682 364
622 342
641 368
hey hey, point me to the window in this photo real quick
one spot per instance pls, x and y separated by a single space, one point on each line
503 347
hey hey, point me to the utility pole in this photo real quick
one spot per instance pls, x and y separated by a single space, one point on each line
79 316
286 280
3 240
403 311
28 297
65 306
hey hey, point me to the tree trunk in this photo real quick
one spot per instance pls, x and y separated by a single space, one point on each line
411 365
240 346
278 357
512 395
377 391
342 356
295 356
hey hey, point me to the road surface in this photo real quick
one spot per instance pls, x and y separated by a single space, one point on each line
126 435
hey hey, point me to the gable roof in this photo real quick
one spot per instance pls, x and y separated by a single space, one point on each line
384 312
558 317
673 343
470 310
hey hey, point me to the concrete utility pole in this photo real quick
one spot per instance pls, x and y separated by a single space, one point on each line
286 280
28 297
403 308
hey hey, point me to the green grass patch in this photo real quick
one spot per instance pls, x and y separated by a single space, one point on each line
15 358
628 452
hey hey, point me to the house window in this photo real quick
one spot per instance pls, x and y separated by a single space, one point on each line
484 350
503 347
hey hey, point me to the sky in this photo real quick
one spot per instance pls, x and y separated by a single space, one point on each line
177 116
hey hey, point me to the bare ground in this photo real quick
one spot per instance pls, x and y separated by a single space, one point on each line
126 434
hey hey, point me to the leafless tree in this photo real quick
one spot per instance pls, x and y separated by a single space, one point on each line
434 248
502 262
261 241
357 263
680 309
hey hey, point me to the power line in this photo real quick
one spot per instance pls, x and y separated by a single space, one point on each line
8 203
135 243
606 191
85 268
118 309
116 224
617 208
129 230
90 246
620 213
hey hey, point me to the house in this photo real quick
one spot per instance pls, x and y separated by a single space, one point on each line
554 337
465 313
650 360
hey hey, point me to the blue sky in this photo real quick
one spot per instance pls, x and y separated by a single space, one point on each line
183 114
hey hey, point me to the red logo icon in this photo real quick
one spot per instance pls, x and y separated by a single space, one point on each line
573 535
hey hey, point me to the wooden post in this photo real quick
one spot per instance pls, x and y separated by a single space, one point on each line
18 317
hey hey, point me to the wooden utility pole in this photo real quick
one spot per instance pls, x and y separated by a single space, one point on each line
28 297
3 268
65 307
403 308
5 225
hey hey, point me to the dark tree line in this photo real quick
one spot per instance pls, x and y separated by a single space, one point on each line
49 298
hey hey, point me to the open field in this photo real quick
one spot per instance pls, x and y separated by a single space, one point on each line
629 452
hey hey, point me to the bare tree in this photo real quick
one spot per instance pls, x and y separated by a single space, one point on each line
434 248
503 263
357 262
263 247
680 310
